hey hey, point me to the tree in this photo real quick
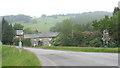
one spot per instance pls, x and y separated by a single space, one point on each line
118 28
116 9
110 23
56 27
70 34
66 32
18 26
78 37
43 16
36 31
7 32
4 31
11 33
95 24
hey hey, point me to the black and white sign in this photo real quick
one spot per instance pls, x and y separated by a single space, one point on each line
19 32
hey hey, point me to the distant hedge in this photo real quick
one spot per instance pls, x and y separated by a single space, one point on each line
25 41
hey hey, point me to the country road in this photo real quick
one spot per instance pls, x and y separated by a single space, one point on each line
69 58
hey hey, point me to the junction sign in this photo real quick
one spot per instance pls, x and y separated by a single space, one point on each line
105 38
20 34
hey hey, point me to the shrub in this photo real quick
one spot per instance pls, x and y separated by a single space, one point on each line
56 42
16 41
25 41
96 42
112 44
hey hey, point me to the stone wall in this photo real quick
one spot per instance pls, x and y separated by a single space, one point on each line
38 41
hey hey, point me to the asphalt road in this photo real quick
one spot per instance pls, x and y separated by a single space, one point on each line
69 58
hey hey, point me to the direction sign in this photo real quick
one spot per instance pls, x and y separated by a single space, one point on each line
105 38
19 34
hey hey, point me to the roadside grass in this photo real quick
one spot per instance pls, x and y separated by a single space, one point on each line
0 54
12 57
83 49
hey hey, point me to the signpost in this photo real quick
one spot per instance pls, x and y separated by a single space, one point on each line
105 38
20 34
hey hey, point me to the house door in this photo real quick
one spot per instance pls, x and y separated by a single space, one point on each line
40 43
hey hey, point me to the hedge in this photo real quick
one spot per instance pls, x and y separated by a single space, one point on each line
25 41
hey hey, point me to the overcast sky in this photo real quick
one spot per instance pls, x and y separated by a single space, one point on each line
49 7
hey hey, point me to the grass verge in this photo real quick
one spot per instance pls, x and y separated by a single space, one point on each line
0 54
12 57
83 49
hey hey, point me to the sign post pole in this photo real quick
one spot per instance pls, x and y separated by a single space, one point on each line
20 46
20 35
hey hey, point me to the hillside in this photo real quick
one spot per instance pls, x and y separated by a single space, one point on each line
90 16
18 18
44 23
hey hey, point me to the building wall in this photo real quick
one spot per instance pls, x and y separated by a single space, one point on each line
45 41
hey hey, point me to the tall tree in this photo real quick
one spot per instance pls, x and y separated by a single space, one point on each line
116 9
11 33
78 37
118 38
66 32
7 32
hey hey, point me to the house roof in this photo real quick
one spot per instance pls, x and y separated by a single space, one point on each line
41 35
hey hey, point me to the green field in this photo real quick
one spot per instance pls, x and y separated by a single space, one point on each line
84 49
12 57
44 24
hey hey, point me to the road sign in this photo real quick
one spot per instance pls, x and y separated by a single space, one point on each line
19 34
105 37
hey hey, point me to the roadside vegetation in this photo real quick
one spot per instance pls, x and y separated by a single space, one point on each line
72 33
83 49
0 54
12 57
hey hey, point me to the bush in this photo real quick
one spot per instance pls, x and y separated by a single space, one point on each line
16 41
112 44
96 42
25 41
56 42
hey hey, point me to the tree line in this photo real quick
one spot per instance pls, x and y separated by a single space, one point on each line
88 35
8 33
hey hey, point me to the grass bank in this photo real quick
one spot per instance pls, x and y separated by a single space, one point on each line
0 54
83 49
12 57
